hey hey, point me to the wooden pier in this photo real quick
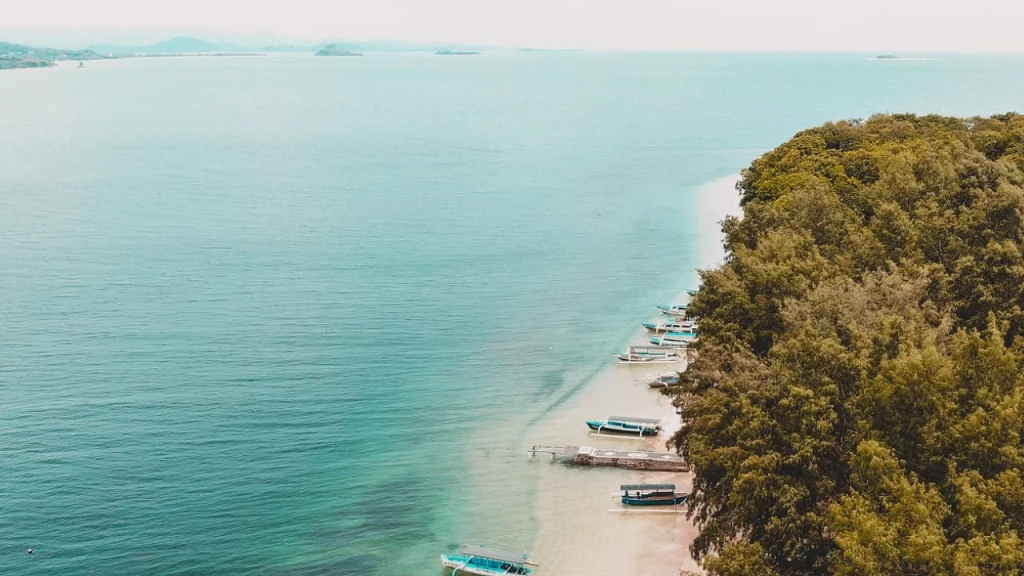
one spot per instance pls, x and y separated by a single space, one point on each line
633 459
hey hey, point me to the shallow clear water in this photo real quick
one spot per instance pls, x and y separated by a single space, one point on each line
269 315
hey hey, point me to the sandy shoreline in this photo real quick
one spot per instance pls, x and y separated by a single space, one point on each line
582 526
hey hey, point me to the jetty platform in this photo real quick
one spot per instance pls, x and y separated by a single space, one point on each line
633 459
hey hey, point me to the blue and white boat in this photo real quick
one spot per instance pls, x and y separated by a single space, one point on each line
626 425
651 495
678 310
674 325
691 292
675 338
486 562
663 380
649 356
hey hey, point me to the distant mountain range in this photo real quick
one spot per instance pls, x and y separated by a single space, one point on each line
35 56
177 45
184 40
187 44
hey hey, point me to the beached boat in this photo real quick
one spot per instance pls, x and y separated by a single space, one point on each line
678 310
486 562
651 495
637 356
677 338
675 325
626 425
664 380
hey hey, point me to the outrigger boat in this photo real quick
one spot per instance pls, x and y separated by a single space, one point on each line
486 562
664 380
651 495
678 310
626 425
675 338
675 325
647 356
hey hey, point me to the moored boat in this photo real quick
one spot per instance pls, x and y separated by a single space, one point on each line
675 338
675 325
486 562
635 356
626 425
651 495
678 310
664 380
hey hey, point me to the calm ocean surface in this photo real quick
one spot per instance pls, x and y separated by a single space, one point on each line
257 315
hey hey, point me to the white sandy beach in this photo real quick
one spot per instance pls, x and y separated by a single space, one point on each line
583 528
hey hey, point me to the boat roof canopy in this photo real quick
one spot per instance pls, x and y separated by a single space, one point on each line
648 487
632 419
493 554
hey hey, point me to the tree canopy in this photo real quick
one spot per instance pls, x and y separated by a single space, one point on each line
855 404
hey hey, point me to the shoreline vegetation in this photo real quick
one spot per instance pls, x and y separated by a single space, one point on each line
856 403
21 56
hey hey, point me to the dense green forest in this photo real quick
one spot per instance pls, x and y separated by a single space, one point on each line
855 404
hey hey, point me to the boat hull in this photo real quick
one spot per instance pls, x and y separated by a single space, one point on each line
654 500
669 360
460 565
603 428
674 338
667 327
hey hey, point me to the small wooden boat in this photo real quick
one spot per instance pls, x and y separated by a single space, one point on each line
664 380
651 495
675 325
637 357
486 562
676 338
678 310
626 425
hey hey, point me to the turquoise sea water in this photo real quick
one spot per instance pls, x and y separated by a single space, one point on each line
253 311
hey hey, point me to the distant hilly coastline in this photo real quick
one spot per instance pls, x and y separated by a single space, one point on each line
335 50
21 56
187 44
24 56
30 56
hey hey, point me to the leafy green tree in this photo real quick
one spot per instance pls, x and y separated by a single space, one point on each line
855 403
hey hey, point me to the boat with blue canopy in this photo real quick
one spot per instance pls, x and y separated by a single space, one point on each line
651 495
676 338
487 562
626 425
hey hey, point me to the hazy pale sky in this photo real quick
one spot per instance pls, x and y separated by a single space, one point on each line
873 25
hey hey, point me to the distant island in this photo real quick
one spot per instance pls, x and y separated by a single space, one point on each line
21 56
887 57
455 53
335 50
